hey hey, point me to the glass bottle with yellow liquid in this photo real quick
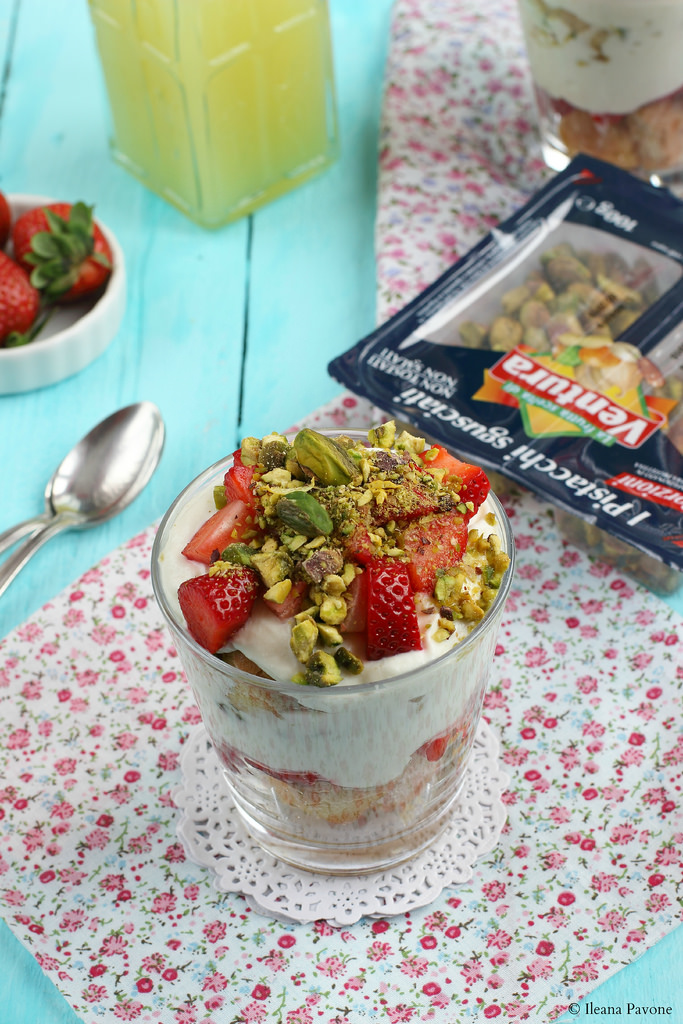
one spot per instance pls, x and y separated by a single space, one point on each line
219 106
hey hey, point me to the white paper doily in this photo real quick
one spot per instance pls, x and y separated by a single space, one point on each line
213 835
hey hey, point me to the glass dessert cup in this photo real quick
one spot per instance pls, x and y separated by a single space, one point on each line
351 778
608 81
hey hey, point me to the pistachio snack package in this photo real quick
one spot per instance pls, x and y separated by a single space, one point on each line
553 353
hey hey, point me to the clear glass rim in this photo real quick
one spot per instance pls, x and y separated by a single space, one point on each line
288 687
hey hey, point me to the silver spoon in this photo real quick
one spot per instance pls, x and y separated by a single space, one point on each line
105 471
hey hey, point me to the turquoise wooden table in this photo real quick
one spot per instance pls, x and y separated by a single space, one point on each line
211 319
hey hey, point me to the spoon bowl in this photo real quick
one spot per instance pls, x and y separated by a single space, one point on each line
110 466
100 476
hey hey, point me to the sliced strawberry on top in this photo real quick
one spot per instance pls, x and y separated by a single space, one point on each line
238 480
475 483
413 500
292 604
217 606
235 522
358 547
392 625
356 598
436 542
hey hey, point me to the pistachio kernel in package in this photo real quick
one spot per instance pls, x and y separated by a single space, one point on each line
553 353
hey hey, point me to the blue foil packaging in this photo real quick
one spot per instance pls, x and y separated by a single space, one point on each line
553 353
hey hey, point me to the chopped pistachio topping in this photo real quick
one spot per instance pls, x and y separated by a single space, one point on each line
303 513
219 498
323 458
329 635
238 554
383 436
333 610
347 660
317 500
279 592
322 670
273 566
303 640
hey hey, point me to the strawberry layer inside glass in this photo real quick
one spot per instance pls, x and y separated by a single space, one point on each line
648 139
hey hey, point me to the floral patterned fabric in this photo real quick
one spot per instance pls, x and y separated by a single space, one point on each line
585 697
458 150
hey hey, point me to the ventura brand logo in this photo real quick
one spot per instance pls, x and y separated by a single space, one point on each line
528 380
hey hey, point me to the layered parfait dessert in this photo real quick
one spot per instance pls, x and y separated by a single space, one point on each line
608 76
335 603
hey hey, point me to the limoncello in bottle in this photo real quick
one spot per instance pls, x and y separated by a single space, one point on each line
219 106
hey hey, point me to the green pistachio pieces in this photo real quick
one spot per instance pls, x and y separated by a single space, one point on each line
322 670
383 436
303 640
303 513
273 451
323 458
329 635
272 566
249 451
238 554
348 661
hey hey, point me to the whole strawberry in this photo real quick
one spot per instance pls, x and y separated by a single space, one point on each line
5 220
63 249
19 304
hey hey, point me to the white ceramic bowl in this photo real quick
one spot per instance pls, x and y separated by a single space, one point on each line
74 335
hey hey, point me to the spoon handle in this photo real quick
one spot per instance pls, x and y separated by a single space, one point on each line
13 565
8 538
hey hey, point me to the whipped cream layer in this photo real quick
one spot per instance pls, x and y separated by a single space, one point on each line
605 56
355 738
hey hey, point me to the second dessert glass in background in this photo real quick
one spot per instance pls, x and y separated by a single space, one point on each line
608 78
351 778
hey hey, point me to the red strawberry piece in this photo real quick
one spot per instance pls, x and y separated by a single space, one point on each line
356 598
292 604
436 542
606 120
238 480
235 522
291 776
229 756
560 106
392 625
415 499
63 249
217 606
5 220
358 547
474 483
436 748
19 304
